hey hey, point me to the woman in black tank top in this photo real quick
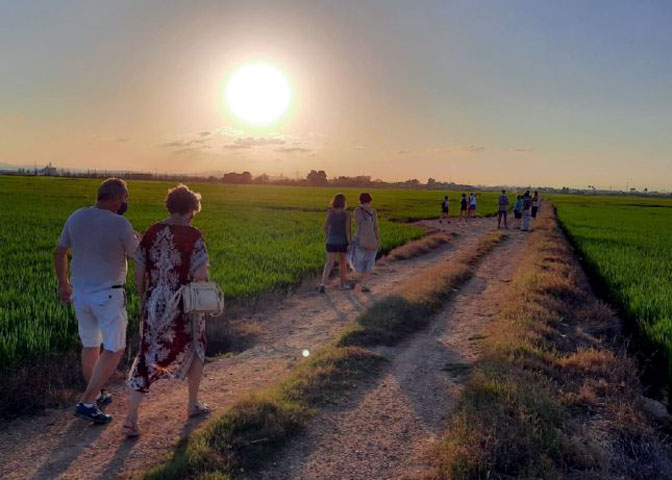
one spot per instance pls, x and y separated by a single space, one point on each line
337 238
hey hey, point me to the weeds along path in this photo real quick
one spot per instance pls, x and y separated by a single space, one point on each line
57 445
382 429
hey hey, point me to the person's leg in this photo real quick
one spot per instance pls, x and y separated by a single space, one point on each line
104 368
194 376
506 225
342 269
134 399
90 356
364 281
112 321
328 267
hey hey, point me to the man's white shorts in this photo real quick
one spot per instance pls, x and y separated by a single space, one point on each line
101 318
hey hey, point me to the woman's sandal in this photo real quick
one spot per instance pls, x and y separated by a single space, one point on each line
198 409
130 430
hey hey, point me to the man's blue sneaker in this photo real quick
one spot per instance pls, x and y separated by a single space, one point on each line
93 413
103 398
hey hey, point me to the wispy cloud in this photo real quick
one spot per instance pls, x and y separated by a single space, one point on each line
250 142
524 149
471 148
293 150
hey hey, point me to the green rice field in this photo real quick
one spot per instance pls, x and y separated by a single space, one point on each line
260 238
627 243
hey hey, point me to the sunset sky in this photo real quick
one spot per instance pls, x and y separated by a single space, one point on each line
570 92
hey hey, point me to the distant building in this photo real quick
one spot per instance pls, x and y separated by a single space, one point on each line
48 171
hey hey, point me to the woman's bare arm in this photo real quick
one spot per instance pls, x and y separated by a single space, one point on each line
348 228
139 275
202 273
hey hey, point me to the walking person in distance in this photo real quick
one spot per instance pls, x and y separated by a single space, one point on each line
472 205
337 239
100 239
445 207
518 211
366 242
527 207
171 254
503 202
535 204
464 205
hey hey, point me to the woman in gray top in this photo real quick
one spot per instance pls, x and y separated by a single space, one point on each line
337 233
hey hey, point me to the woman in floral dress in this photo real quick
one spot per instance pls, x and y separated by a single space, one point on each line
171 254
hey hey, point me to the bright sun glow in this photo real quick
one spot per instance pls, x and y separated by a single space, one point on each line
258 94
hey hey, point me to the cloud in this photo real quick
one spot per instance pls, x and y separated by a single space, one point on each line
358 147
444 150
204 134
474 148
292 150
524 149
250 142
184 143
123 139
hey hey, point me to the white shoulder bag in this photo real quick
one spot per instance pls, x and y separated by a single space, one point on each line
201 297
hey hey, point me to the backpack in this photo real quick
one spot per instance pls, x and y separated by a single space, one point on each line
366 235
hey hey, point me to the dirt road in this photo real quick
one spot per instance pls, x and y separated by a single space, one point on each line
57 445
381 431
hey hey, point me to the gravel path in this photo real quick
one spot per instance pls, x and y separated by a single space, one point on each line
382 429
57 445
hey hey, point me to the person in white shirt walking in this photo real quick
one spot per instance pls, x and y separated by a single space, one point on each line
100 239
472 206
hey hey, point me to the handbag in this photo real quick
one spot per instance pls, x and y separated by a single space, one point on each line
201 297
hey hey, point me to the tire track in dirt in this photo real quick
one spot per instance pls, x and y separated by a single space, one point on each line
57 445
382 430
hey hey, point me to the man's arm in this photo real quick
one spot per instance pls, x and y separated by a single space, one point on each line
61 268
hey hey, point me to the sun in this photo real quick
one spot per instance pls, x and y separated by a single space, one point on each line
258 94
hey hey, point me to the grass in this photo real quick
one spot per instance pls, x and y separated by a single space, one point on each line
425 245
553 396
261 240
258 426
628 254
410 309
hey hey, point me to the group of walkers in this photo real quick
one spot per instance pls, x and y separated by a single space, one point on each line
170 255
524 209
359 252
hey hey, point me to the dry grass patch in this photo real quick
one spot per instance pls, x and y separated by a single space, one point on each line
256 426
550 398
419 247
410 308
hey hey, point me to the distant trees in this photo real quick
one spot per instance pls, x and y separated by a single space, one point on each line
237 178
317 177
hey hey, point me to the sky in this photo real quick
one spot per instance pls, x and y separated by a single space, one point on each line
491 92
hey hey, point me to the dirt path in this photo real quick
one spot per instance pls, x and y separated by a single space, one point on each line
57 445
381 431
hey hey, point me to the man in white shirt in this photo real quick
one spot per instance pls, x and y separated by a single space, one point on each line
100 239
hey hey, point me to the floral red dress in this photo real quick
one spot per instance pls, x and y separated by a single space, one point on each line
170 339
